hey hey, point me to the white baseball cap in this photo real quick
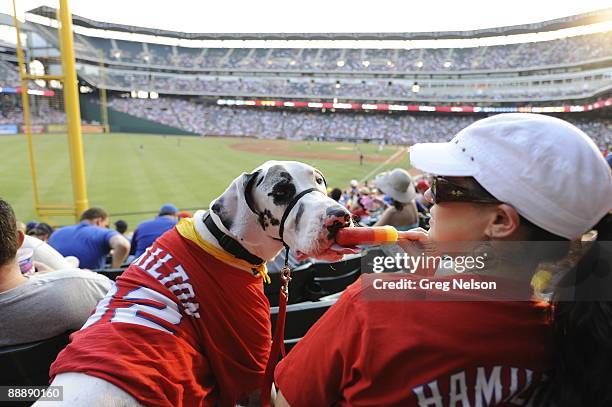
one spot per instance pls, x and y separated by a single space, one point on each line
550 171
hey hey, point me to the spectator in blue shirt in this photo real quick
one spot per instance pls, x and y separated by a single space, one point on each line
91 240
146 233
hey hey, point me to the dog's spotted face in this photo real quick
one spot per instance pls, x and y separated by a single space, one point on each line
311 223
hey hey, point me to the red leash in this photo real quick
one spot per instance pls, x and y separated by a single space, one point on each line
278 340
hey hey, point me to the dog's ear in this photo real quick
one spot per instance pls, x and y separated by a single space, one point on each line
227 206
249 181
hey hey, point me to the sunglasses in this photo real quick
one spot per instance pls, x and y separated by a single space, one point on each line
459 189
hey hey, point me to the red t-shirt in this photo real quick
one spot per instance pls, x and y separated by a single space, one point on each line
417 353
179 328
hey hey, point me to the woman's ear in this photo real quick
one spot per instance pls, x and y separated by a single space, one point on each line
505 222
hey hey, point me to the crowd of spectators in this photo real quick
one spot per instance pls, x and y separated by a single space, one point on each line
544 53
40 114
9 76
369 89
256 122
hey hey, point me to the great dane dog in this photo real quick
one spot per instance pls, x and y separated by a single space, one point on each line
187 323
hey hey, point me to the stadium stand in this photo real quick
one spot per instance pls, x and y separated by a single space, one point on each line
392 128
570 50
9 75
538 87
571 67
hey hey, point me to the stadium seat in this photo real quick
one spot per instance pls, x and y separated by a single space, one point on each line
28 364
301 277
331 278
336 284
110 273
339 268
300 317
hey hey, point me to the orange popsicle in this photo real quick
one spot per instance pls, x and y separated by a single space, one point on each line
366 235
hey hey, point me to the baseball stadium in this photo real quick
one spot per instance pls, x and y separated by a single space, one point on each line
212 217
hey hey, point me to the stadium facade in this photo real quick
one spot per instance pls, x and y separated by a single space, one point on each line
171 75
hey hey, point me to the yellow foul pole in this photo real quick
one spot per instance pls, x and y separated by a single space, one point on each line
25 101
73 112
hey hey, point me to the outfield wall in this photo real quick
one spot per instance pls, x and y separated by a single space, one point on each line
123 122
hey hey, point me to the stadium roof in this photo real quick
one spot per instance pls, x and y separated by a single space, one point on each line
549 25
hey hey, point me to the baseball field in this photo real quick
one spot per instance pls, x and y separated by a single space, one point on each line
131 176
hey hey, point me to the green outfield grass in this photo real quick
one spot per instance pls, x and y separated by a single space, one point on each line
187 171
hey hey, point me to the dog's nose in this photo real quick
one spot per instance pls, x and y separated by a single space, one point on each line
337 212
337 215
337 218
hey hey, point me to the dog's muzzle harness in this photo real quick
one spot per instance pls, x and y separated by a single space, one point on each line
234 247
248 197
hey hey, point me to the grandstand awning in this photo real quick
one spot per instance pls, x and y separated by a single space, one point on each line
549 25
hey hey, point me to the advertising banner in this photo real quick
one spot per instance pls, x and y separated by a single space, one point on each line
35 129
92 128
56 128
8 129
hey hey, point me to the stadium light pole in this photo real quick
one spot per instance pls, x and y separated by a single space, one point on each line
73 112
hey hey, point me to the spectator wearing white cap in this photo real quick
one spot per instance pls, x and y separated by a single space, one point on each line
502 180
398 186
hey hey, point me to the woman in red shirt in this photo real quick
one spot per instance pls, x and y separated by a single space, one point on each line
502 179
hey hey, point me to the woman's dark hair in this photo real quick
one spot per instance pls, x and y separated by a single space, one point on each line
581 322
582 331
397 205
336 194
544 245
41 230
121 226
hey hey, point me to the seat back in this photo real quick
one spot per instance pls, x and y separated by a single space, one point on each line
28 364
300 317
331 278
110 273
301 276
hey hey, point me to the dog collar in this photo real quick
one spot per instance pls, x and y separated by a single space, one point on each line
186 229
229 244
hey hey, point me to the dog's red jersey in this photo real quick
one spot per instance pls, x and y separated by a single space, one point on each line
179 328
416 353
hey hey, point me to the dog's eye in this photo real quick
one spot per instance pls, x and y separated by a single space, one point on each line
319 180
